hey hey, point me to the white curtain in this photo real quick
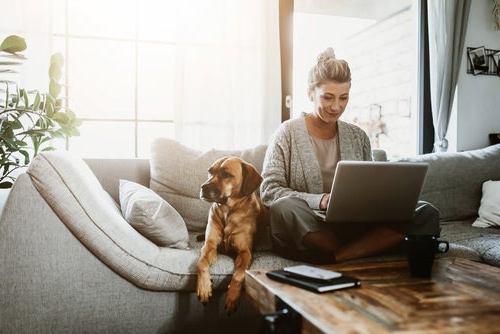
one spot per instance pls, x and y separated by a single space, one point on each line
447 27
229 91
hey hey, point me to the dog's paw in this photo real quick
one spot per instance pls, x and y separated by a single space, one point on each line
232 300
204 290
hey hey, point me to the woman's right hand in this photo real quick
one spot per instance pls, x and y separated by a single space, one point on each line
324 202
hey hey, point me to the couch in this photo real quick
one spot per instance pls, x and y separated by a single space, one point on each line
72 262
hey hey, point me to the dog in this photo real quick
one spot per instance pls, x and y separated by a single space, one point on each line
232 223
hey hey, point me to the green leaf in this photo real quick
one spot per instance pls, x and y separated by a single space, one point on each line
36 104
13 44
25 98
61 118
55 71
9 143
49 108
6 97
6 185
54 88
26 156
57 59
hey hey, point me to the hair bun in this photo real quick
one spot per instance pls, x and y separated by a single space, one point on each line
329 53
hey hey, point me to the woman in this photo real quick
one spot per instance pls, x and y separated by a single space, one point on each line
298 173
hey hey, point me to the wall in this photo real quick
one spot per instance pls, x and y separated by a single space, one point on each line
478 103
382 62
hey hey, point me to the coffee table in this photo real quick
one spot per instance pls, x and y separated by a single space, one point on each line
462 296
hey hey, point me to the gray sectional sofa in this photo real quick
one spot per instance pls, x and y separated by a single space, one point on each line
71 263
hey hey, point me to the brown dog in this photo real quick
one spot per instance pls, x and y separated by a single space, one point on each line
232 223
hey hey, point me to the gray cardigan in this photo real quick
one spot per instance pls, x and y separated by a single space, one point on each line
291 167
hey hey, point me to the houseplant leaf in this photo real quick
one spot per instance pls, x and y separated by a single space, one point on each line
13 44
54 88
55 71
29 120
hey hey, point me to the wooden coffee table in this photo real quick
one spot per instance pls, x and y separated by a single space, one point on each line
461 297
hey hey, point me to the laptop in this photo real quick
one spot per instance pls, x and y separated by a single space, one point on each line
374 192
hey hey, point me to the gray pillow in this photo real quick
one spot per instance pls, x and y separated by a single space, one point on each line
152 216
178 171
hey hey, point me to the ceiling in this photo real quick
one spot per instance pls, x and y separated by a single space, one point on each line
366 9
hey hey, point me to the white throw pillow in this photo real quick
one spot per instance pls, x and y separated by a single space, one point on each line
489 210
152 216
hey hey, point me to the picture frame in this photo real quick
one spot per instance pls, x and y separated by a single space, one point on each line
478 60
496 60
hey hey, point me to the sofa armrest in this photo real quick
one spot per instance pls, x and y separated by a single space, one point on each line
110 171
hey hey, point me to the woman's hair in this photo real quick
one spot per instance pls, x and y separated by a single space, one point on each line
327 69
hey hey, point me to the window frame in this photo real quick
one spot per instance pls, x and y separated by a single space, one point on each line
425 127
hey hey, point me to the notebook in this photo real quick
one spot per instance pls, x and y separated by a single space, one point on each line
378 192
315 285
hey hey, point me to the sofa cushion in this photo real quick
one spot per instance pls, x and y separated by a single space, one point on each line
489 211
177 173
152 216
454 180
485 242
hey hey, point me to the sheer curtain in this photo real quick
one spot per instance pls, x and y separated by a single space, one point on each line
447 27
229 92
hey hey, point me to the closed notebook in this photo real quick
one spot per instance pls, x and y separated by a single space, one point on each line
315 285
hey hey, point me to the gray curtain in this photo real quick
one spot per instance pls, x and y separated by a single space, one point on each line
447 27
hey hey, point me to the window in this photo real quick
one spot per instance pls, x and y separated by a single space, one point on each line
378 40
203 72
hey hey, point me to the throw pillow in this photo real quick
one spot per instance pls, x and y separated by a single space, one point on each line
178 171
152 216
489 210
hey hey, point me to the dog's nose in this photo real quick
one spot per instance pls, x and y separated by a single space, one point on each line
205 187
209 192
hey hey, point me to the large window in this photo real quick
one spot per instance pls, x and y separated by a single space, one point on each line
203 72
378 39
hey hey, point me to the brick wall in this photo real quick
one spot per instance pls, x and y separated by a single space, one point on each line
382 62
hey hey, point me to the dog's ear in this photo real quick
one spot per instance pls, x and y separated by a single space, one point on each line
216 165
251 179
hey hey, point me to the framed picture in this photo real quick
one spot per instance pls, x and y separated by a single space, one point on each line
496 60
478 61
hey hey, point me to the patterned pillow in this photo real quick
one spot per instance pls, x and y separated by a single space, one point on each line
152 216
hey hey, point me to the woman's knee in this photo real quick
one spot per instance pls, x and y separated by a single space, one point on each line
284 207
426 219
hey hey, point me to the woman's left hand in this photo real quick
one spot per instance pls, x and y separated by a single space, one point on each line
324 202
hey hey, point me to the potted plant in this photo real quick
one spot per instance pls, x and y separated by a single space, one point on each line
29 120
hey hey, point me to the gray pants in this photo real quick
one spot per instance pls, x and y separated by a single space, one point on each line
291 219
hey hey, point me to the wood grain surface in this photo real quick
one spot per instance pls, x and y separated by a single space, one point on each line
462 296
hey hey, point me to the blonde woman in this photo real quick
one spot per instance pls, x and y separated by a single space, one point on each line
298 173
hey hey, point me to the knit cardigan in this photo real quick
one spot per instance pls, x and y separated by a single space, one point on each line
291 167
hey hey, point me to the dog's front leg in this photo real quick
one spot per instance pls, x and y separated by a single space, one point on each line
242 262
213 237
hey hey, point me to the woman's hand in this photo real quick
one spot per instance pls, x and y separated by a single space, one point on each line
324 202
